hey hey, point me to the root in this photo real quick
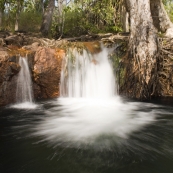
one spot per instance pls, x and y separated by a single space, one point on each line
165 67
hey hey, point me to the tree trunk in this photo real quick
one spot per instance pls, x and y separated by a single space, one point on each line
160 18
60 18
125 17
47 18
19 6
42 6
140 76
16 27
1 18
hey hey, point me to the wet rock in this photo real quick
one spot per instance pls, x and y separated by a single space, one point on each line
14 40
45 67
15 68
2 42
12 59
8 80
33 47
4 34
46 72
3 56
93 47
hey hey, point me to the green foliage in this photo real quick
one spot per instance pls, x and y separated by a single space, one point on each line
30 21
25 10
8 22
77 18
83 17
2 4
166 2
169 8
116 58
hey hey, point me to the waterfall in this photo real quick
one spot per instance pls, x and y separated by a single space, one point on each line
24 84
89 112
24 93
86 75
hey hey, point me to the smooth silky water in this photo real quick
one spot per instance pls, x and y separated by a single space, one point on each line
24 93
89 129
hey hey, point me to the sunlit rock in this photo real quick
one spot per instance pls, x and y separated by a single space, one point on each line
47 68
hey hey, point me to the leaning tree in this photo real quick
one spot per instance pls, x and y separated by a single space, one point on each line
145 19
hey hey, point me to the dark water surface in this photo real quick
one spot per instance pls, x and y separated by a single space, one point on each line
131 138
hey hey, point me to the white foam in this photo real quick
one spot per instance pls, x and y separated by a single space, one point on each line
82 121
24 105
89 107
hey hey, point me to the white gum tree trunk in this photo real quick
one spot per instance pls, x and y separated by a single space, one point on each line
47 18
61 17
143 49
160 18
125 18
16 26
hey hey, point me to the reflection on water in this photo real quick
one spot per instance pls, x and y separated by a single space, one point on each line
84 135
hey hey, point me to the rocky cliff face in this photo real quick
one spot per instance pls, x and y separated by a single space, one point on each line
46 72
9 69
45 67
44 63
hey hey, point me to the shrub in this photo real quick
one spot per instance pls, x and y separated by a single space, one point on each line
30 21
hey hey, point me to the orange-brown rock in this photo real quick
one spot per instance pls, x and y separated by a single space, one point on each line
45 66
46 72
8 70
93 47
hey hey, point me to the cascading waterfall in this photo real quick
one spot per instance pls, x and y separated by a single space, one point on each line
89 112
24 83
24 93
86 75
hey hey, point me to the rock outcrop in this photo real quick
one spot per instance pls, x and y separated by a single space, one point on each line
45 57
8 70
46 72
45 67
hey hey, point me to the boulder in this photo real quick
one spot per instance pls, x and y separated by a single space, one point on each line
46 72
14 40
8 70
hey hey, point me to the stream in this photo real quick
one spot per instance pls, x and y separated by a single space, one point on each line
69 135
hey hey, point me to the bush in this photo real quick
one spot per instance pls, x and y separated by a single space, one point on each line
78 21
30 21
